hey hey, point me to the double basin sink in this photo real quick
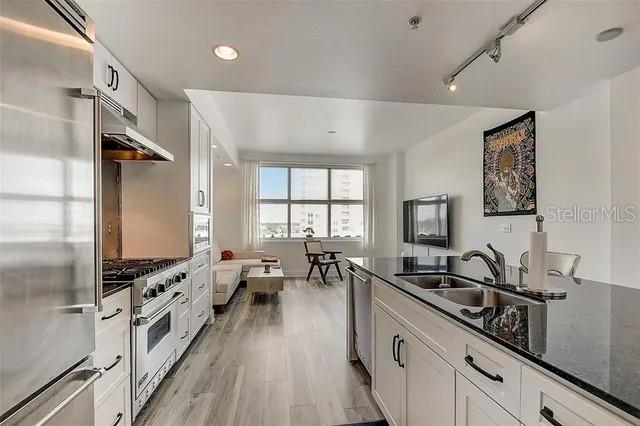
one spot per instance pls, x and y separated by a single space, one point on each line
465 292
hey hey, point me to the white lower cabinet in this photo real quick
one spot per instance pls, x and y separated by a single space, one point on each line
411 383
387 373
475 408
430 385
116 409
545 401
112 391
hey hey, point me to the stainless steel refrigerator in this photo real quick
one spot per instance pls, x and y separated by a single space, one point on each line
49 248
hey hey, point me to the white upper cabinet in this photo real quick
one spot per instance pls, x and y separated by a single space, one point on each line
113 79
146 113
200 147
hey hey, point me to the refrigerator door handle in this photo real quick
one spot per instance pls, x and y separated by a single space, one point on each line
97 191
91 93
88 376
92 374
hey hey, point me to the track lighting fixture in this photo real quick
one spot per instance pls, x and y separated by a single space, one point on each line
494 48
451 84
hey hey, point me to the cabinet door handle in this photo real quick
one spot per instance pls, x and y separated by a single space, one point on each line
201 314
547 414
201 198
110 76
116 362
496 378
118 418
117 83
184 301
186 333
116 313
201 286
400 363
393 347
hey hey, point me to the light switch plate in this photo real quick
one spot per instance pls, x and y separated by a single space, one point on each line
504 227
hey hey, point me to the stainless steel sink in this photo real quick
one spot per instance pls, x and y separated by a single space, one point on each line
483 297
433 282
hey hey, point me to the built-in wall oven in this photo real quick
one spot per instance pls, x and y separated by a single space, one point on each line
200 232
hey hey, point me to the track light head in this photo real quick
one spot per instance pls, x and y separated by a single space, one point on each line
494 50
450 82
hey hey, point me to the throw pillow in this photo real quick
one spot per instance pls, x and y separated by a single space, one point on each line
227 255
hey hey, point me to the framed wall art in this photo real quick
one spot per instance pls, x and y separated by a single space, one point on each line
509 168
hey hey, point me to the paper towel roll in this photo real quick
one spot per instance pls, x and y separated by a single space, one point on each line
537 261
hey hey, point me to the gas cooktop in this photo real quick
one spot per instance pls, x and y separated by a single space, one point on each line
130 269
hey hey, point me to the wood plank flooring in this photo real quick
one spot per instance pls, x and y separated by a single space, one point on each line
277 360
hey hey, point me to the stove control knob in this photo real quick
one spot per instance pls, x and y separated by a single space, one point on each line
183 275
177 278
162 288
151 292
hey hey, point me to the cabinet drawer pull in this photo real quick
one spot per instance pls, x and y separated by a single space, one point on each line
117 312
116 362
201 314
186 300
186 333
469 360
118 418
201 286
400 363
547 414
393 347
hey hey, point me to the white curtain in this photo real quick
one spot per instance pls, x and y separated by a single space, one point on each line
250 205
369 209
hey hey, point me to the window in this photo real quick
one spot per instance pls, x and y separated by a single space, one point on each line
328 200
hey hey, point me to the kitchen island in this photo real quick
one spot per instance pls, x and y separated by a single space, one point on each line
587 344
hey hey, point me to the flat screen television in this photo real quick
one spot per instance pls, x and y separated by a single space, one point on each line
425 221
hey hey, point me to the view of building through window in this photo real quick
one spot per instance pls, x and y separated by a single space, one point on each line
326 199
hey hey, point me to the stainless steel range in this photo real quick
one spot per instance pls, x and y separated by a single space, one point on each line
157 286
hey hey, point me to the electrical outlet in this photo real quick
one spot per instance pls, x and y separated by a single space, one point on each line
504 227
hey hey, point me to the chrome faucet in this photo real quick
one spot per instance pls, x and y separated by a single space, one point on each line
497 266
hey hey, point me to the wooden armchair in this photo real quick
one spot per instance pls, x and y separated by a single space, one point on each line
316 255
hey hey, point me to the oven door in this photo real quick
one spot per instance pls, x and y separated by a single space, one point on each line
200 232
155 341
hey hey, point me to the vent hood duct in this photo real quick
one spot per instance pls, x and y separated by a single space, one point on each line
122 141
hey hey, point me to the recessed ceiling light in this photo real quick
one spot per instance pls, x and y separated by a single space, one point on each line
332 132
214 146
228 164
609 34
226 53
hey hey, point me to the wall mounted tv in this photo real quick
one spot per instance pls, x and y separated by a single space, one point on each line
425 221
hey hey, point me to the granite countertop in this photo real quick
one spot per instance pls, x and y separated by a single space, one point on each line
591 338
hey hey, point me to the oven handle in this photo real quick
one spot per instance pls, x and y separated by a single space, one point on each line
147 320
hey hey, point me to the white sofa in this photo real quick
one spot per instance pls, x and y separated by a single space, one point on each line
227 274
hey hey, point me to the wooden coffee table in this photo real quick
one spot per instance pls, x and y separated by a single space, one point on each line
258 281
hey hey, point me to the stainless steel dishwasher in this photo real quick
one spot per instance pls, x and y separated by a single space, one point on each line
359 317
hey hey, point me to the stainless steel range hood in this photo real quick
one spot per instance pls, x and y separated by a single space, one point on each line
121 140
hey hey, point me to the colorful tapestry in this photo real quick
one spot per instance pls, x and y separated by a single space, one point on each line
510 167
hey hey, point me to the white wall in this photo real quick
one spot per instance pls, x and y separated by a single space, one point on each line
572 168
625 179
227 190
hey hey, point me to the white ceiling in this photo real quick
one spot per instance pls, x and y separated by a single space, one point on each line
300 124
365 49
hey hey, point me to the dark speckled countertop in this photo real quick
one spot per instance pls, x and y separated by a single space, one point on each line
591 338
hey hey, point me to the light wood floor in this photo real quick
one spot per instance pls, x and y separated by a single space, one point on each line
279 360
